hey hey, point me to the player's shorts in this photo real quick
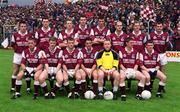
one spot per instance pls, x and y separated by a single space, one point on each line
163 58
17 58
152 73
30 71
52 70
71 72
130 73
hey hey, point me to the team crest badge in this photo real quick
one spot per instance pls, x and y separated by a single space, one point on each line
74 56
96 33
18 38
114 38
154 57
124 55
122 39
154 37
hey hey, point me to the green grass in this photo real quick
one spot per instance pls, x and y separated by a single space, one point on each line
170 102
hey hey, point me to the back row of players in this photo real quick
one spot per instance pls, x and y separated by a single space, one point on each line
83 52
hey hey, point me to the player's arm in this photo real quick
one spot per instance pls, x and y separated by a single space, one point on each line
115 61
137 61
158 63
60 60
76 39
121 65
61 42
13 42
141 63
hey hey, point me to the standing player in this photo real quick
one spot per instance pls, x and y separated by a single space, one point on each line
83 31
32 59
129 61
160 40
99 34
107 62
43 34
150 65
89 66
54 60
19 42
139 39
118 37
69 32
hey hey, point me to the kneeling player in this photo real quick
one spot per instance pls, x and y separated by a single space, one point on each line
129 59
88 66
107 61
54 61
31 64
150 65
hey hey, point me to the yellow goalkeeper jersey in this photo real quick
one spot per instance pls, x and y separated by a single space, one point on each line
107 59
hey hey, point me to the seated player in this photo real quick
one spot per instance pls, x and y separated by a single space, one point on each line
54 60
150 64
107 62
88 65
31 66
129 61
71 64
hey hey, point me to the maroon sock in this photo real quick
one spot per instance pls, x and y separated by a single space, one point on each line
18 88
13 82
160 88
123 90
36 89
95 88
84 87
45 89
28 83
77 87
139 90
55 89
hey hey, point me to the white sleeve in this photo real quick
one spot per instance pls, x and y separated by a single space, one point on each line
141 57
60 54
36 35
158 58
80 54
13 39
23 54
95 55
137 56
55 34
108 33
120 55
92 32
60 36
41 54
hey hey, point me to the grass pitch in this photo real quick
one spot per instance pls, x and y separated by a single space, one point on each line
170 102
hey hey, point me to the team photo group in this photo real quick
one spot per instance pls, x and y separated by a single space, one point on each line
81 60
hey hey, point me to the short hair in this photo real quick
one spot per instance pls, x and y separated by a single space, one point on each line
45 18
53 39
70 39
69 19
159 22
127 40
88 39
22 22
149 41
135 22
82 16
101 17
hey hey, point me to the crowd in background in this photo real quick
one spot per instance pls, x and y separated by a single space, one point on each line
125 10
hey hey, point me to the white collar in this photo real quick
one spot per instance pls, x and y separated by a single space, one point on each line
69 32
83 28
100 29
23 33
129 51
137 34
148 52
69 51
120 33
45 30
157 33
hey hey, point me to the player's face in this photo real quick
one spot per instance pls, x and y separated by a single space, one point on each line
149 46
45 23
101 22
70 44
52 44
119 26
159 27
107 45
23 28
69 25
83 21
88 44
130 44
31 44
136 27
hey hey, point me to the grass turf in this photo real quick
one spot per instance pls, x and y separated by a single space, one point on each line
170 102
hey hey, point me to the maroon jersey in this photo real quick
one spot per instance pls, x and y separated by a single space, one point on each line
160 41
32 58
149 61
139 40
64 35
117 40
88 57
99 34
20 41
129 59
83 34
53 57
71 59
43 37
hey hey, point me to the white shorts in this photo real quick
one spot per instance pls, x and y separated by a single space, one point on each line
52 70
30 70
71 73
17 58
163 58
88 69
130 73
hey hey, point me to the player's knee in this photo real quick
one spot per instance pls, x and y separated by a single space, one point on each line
78 77
95 76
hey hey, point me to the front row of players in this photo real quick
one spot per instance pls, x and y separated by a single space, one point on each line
54 63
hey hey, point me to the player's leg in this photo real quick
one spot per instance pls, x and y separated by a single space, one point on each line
116 76
66 81
142 79
36 83
161 76
95 81
83 82
59 81
18 85
122 78
148 78
78 81
42 81
100 83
